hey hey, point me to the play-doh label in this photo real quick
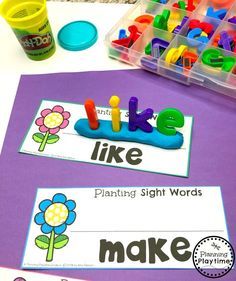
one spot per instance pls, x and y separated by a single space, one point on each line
36 41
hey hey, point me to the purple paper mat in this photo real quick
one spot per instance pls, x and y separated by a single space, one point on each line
213 156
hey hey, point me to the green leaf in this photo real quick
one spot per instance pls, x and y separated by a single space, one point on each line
53 139
42 241
61 241
38 137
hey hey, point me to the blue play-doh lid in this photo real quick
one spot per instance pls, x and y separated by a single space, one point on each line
77 35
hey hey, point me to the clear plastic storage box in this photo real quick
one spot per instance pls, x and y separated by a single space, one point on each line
194 44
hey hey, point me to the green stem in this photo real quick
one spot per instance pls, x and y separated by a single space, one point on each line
51 247
44 142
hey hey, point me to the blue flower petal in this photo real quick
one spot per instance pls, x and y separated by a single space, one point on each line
60 229
71 218
59 198
45 204
70 204
45 228
39 218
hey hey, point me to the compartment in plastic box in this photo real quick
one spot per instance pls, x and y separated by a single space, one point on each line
179 58
150 47
231 16
190 5
215 8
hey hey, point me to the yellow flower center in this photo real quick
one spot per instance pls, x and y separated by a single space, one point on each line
56 214
53 120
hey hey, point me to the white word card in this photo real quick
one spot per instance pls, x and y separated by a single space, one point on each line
52 134
122 227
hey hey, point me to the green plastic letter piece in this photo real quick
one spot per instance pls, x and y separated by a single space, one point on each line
215 58
148 49
160 21
166 14
168 119
229 63
210 54
182 5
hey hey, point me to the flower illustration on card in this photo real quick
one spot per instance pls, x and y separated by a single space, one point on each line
55 216
50 123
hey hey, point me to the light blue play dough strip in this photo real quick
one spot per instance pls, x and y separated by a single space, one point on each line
104 131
